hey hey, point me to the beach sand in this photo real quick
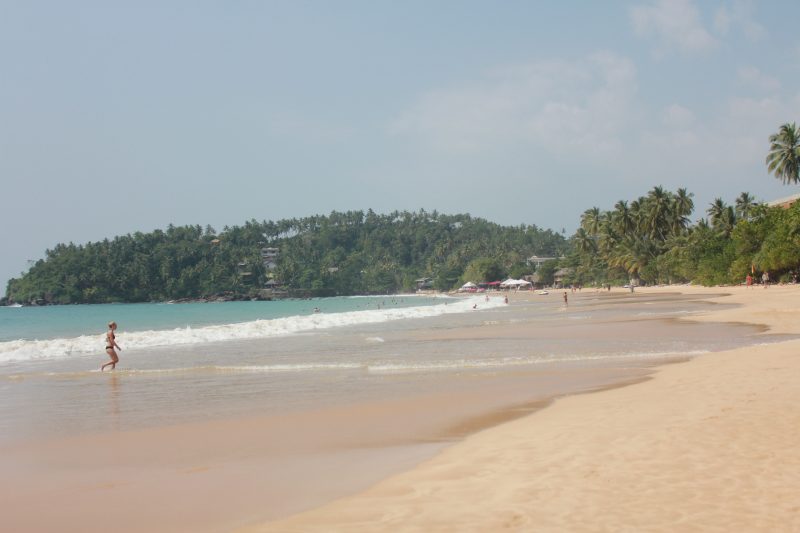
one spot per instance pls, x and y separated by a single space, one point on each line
707 445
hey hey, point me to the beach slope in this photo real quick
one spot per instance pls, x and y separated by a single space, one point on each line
708 445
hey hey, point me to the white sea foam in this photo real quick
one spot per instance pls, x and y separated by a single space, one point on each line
666 313
380 367
377 367
27 350
503 362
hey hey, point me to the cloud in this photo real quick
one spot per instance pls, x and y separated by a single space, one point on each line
738 16
731 136
558 106
753 77
531 126
674 23
677 116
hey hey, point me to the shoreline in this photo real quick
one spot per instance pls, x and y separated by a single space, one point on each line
218 457
238 472
705 445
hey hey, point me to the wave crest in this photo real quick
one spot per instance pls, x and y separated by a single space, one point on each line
28 350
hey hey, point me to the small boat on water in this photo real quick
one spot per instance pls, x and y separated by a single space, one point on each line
14 305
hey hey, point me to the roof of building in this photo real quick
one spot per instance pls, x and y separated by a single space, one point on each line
786 201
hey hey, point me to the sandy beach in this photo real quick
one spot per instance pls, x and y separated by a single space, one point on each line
600 443
706 445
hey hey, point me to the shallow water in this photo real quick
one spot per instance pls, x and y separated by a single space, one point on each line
362 363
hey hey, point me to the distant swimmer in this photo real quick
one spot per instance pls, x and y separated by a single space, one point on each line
111 343
316 309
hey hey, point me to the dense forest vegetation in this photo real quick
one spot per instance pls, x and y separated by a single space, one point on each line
342 253
649 239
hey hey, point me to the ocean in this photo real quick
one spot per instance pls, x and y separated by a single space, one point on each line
53 332
188 362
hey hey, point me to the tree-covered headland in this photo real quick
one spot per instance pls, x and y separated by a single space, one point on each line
338 254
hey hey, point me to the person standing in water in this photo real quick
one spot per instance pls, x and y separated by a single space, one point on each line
111 344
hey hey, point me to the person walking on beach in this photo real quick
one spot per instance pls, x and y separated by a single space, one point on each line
565 298
749 281
765 279
111 343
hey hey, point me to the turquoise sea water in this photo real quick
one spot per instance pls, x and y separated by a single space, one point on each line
52 322
53 332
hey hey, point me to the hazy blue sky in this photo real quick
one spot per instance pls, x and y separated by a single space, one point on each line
118 117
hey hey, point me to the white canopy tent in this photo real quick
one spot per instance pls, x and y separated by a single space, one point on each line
515 283
467 286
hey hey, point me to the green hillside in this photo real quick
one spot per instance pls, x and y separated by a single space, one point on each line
338 254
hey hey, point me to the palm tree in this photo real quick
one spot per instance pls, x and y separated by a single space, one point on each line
657 212
636 214
584 241
590 221
683 207
723 217
744 205
715 211
633 253
702 225
607 240
622 217
783 158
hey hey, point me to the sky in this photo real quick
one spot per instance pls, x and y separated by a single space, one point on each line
117 117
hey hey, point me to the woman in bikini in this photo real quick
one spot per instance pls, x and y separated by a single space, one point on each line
111 343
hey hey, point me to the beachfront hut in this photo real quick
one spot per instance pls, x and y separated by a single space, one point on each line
560 276
535 279
424 283
468 287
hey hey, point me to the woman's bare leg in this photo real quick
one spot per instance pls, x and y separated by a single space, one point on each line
114 360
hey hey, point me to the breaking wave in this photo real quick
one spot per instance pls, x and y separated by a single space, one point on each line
29 350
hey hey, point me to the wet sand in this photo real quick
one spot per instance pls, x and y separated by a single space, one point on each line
709 445
223 474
